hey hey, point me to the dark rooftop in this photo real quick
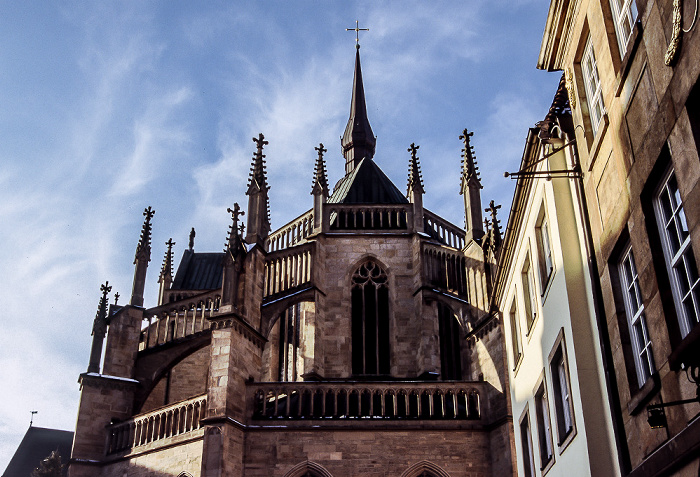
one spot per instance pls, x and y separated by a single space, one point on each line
366 184
36 445
199 271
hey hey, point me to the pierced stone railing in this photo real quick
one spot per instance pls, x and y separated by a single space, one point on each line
289 268
368 217
445 268
292 233
442 230
377 400
169 421
174 321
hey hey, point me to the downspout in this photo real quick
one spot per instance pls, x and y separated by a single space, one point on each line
623 453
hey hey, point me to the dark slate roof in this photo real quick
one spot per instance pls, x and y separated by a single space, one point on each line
366 184
199 271
36 445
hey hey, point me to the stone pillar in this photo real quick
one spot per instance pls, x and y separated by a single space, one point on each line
123 342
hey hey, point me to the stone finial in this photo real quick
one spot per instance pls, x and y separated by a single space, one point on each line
143 249
258 201
320 184
415 178
470 171
258 168
166 271
191 244
116 298
99 330
495 223
234 228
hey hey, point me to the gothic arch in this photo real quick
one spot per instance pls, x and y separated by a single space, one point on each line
425 468
184 474
306 469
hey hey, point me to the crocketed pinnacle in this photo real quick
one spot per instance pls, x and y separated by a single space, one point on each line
143 249
99 326
358 141
470 171
258 169
166 271
415 178
234 231
320 184
495 230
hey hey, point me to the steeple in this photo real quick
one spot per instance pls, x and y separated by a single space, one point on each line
166 272
358 141
258 202
471 190
143 256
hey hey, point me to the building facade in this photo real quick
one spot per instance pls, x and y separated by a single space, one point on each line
631 70
545 293
355 340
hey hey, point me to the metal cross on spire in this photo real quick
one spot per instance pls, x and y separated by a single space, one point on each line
357 31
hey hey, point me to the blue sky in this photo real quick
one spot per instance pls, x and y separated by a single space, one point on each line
109 107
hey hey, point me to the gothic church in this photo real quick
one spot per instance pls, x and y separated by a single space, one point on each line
355 340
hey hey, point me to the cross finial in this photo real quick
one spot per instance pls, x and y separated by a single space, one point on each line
105 289
116 298
149 213
413 149
260 141
31 422
320 150
357 31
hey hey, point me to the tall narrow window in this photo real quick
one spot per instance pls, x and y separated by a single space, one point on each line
515 334
526 443
289 356
625 13
544 428
370 320
450 332
636 320
591 79
678 253
544 250
529 296
562 392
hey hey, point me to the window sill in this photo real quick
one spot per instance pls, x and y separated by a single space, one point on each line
528 333
644 395
567 440
547 285
687 351
548 465
518 362
600 133
632 46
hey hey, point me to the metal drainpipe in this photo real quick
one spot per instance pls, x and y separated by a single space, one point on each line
610 379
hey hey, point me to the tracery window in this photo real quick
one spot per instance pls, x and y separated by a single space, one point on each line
450 355
370 320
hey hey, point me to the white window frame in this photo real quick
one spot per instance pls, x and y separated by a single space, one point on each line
561 392
544 426
624 16
529 293
678 252
636 319
544 250
591 80
526 445
515 333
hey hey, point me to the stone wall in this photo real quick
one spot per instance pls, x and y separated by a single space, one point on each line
164 462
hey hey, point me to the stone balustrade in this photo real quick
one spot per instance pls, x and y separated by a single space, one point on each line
445 269
367 217
375 400
174 321
442 230
288 269
292 233
169 421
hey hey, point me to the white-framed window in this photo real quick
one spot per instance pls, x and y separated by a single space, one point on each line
544 250
591 80
636 319
678 252
529 294
526 444
625 14
561 389
544 427
515 333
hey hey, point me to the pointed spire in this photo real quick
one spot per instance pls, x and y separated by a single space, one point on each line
235 252
258 201
166 271
320 185
470 171
143 249
99 330
258 168
415 178
143 256
234 229
358 141
495 231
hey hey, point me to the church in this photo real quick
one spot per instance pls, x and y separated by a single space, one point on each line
357 339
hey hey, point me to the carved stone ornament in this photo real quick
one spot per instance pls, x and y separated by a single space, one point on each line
569 83
672 52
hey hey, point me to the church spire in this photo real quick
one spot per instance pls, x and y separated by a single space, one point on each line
471 190
358 141
320 185
258 201
143 256
166 272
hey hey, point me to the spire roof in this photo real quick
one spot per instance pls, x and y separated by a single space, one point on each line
143 249
470 171
366 184
320 185
358 141
415 178
166 271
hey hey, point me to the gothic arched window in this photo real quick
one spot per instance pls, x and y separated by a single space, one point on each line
450 335
370 320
